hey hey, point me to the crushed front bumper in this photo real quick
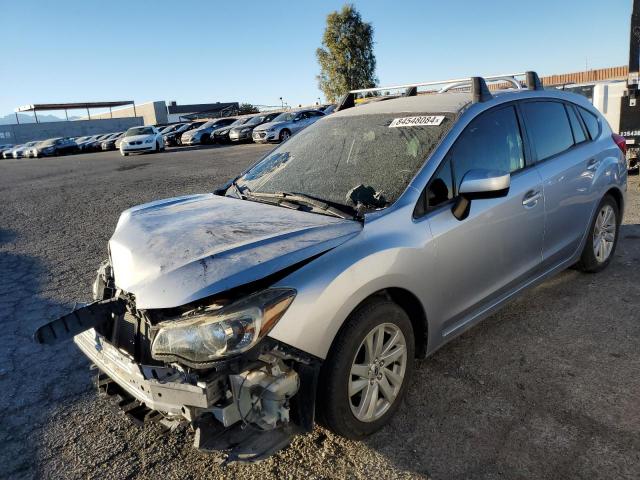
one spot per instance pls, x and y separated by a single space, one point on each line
271 388
159 388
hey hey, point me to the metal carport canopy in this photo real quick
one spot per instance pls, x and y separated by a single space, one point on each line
73 106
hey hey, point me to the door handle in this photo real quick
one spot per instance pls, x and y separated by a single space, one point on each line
531 198
593 164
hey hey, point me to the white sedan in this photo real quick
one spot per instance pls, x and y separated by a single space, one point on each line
141 139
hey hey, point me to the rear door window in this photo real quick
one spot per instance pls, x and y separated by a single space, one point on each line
578 132
548 127
591 121
492 141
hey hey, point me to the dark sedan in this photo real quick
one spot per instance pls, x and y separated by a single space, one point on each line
221 135
243 133
109 143
55 146
174 138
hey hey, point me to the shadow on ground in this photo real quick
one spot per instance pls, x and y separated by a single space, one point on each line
33 379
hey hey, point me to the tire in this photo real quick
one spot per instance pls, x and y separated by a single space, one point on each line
157 150
124 154
285 135
604 225
337 410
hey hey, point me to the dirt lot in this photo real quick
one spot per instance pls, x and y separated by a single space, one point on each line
548 388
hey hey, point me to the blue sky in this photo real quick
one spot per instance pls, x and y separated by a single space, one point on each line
252 51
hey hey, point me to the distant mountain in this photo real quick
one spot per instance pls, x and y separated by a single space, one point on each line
24 118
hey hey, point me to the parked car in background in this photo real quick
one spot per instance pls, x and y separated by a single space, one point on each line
141 139
83 142
329 109
19 150
244 131
175 137
168 128
110 142
80 140
221 135
54 147
7 151
94 144
6 146
202 134
285 125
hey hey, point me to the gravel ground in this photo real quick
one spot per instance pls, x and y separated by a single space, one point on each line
547 388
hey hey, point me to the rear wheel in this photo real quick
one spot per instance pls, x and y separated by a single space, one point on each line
602 238
365 376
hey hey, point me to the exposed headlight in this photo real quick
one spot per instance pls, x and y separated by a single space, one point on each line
212 333
149 140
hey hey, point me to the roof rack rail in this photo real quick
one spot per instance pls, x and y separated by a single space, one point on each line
478 85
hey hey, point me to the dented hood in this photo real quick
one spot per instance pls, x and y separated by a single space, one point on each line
172 252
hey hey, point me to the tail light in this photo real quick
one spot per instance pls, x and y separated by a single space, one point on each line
621 142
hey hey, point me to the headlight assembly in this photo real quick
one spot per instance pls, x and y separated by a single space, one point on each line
209 334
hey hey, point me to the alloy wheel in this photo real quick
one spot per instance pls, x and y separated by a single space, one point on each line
377 372
604 233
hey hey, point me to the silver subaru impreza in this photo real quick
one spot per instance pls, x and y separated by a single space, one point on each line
305 287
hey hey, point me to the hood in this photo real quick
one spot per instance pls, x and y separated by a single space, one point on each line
242 127
173 252
138 138
268 125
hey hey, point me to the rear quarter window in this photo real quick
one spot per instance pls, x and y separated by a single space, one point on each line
548 127
578 132
591 121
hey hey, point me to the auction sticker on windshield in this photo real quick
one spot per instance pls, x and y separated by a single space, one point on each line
417 121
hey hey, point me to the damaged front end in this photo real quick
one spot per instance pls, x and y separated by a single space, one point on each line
209 364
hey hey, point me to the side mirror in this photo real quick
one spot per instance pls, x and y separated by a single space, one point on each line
477 184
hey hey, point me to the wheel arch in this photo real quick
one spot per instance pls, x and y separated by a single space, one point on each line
618 197
410 304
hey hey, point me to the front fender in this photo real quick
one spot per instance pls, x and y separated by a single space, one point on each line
333 285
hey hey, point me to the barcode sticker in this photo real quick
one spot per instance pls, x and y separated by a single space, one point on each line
421 121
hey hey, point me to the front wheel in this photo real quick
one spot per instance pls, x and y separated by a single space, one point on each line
365 376
285 135
602 238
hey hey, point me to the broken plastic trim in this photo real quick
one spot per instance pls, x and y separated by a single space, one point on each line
80 319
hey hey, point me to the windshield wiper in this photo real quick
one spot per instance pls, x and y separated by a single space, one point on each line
298 199
238 190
